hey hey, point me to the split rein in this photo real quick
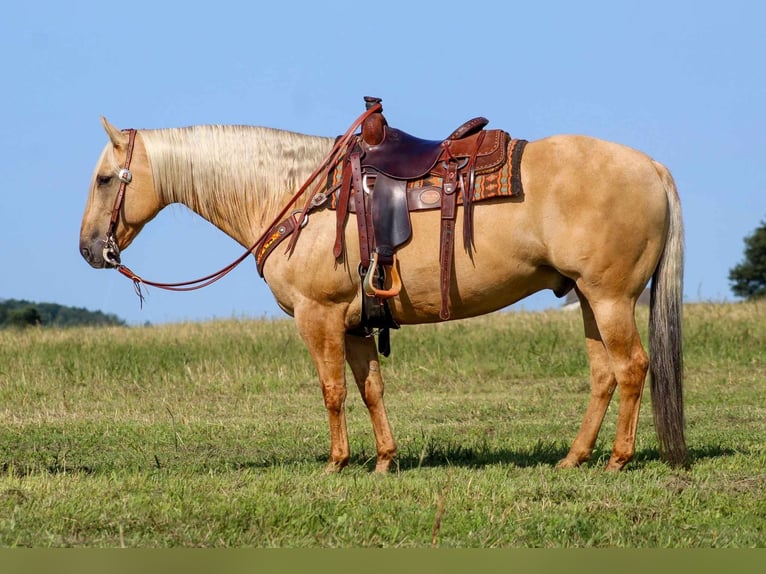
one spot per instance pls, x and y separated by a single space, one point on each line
111 250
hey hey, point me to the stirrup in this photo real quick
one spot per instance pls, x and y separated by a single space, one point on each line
396 282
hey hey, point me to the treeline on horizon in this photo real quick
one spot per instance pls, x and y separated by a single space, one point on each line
21 313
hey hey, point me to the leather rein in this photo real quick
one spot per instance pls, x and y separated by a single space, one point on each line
111 249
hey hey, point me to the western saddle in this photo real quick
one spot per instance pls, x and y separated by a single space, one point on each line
384 175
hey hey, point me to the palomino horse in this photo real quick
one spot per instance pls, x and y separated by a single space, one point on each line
595 216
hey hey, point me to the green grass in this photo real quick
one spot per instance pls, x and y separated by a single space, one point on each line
215 434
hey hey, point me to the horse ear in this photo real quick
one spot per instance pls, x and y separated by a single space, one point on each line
118 138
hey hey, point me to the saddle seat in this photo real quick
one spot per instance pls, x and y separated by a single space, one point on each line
400 155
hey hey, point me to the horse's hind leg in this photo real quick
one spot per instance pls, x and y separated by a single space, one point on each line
615 318
603 383
617 359
630 364
363 359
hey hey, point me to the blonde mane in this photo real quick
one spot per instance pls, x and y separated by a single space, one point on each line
237 175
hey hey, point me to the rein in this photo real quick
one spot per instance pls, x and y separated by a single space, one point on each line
111 249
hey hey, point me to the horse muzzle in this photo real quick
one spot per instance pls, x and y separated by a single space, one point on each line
101 253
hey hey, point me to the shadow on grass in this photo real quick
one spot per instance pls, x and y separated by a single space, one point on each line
696 454
22 469
541 454
434 454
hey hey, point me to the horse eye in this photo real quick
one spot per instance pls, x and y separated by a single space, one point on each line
103 180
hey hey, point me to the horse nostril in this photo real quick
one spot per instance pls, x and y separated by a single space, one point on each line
85 252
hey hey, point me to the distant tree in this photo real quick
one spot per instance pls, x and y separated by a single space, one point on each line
748 279
24 317
16 312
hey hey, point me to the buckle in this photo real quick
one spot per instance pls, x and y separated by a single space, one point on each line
319 199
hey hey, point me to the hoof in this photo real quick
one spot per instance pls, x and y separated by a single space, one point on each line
569 462
334 467
383 466
615 465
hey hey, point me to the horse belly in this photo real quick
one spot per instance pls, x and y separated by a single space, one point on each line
500 270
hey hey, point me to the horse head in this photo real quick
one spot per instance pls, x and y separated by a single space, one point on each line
122 198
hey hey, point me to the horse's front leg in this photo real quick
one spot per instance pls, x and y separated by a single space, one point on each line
362 357
323 331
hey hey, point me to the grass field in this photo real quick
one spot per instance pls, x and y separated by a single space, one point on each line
215 435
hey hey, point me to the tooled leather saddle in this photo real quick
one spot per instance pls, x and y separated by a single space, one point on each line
390 173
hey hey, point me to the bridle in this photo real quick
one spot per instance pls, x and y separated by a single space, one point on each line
111 249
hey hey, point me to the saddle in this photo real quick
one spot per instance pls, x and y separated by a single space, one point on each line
380 183
387 173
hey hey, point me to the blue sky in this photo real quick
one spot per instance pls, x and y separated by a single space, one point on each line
682 81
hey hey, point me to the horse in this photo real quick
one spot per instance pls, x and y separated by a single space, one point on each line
595 216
